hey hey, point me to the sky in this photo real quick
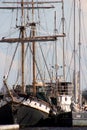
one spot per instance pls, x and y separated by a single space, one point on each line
6 30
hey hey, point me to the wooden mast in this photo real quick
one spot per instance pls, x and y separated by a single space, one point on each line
22 29
55 30
33 50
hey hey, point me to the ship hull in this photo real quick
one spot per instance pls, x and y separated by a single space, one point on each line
79 118
13 113
28 116
66 119
60 120
6 115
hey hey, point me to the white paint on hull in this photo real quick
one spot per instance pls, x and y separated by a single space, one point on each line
9 127
37 105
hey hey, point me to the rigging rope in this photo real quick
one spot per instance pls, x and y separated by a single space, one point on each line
40 45
45 61
13 59
35 61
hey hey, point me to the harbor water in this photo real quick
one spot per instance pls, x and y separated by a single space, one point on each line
56 128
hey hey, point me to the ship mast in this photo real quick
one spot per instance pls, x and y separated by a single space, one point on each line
75 92
22 29
33 50
63 19
56 66
79 52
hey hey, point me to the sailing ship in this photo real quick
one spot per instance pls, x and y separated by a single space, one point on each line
15 105
41 103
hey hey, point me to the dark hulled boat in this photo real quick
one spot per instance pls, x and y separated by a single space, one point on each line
22 108
31 110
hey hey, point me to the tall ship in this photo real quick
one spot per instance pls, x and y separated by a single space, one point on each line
33 92
26 100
